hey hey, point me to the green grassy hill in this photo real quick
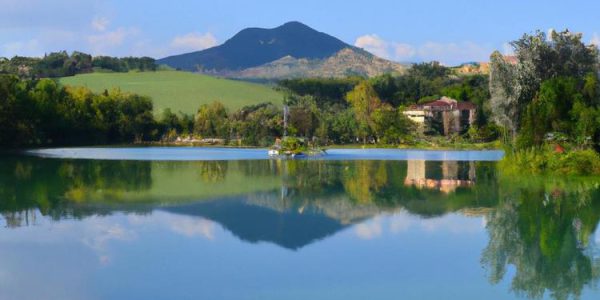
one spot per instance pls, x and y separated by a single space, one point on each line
180 91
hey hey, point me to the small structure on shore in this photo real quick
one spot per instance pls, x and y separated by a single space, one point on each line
292 147
450 115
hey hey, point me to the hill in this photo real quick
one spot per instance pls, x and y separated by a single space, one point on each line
180 91
253 47
347 62
290 50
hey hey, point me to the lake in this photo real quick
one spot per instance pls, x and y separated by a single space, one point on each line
216 223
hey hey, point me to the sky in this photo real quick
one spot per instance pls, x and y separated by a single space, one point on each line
449 31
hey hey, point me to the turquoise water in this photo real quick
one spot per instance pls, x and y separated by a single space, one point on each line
365 225
204 154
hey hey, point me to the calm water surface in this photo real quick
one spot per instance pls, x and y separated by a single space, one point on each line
131 223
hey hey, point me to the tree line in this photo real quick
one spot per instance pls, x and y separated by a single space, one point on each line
36 112
41 112
61 64
339 111
548 94
547 102
551 93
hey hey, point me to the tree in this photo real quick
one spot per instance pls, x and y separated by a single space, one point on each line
364 102
303 116
505 92
539 58
211 120
257 124
390 125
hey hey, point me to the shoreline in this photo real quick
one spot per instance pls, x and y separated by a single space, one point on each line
493 146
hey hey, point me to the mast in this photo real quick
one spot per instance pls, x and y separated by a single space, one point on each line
285 119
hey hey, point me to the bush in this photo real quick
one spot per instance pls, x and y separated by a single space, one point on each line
547 161
582 162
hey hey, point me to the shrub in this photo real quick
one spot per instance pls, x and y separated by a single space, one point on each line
547 161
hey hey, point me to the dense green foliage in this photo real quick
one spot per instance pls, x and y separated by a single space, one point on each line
328 111
548 101
355 110
547 161
550 90
35 113
324 91
61 64
179 91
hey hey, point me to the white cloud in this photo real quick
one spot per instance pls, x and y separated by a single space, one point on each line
369 230
455 53
184 225
595 39
447 53
100 234
193 41
374 44
403 52
507 49
191 227
401 222
549 34
102 43
100 23
30 47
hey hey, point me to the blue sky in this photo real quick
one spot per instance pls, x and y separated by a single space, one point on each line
449 31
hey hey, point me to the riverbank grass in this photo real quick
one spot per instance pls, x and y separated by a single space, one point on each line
549 161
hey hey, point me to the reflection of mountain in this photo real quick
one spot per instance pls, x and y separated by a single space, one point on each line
292 227
541 229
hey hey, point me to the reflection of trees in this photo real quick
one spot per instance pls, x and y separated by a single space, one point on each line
83 187
547 237
212 171
382 183
55 187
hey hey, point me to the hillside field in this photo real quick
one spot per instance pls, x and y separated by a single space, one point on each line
180 91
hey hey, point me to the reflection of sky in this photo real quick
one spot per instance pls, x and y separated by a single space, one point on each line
403 222
168 256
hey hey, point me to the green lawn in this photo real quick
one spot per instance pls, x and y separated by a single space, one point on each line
180 91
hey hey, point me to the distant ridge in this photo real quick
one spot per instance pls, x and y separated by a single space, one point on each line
290 50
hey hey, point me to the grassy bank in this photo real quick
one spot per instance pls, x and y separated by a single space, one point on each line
548 161
179 91
496 145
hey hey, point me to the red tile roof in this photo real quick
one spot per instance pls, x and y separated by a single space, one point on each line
444 103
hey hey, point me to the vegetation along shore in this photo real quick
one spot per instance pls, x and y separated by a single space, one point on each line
540 105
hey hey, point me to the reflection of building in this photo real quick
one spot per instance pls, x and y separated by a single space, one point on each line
445 176
451 115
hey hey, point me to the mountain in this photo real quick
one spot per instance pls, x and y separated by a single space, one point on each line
346 62
290 50
253 47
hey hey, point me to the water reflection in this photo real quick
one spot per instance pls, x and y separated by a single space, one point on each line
547 235
543 228
423 174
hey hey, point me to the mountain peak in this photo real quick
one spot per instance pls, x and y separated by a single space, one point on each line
253 47
295 24
256 47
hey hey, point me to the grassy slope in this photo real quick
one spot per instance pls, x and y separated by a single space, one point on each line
180 91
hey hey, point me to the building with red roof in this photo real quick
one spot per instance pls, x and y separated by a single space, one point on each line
451 115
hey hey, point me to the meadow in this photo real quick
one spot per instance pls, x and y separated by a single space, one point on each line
179 91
